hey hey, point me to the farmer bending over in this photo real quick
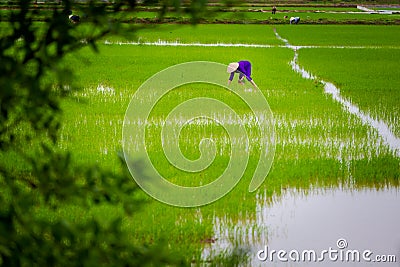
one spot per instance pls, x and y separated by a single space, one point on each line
243 68
294 20
73 18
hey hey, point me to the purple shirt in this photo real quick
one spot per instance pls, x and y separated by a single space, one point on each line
244 69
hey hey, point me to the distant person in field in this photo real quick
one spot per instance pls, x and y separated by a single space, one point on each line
73 18
273 9
243 68
294 20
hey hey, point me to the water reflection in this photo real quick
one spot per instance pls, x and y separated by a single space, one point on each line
367 220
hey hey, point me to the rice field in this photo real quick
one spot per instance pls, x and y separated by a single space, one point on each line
318 143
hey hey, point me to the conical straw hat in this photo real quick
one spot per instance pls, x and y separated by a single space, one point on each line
232 67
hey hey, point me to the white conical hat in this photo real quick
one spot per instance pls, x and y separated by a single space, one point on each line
232 67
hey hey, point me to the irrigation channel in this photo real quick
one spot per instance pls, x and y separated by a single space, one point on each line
320 227
382 128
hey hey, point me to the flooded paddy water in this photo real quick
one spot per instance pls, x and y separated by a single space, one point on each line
346 223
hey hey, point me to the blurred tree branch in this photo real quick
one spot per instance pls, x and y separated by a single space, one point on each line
34 173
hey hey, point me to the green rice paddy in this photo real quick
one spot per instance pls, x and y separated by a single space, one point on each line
335 35
318 143
373 91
